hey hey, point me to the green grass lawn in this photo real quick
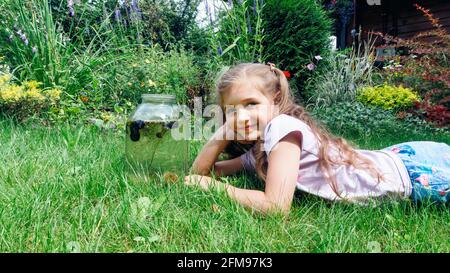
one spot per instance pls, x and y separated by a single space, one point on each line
59 196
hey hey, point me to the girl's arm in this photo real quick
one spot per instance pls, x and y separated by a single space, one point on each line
284 160
206 159
228 167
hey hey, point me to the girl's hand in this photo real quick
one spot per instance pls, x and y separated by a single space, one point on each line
205 182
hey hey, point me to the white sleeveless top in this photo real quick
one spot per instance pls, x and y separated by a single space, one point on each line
355 185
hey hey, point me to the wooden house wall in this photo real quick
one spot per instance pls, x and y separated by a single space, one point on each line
398 17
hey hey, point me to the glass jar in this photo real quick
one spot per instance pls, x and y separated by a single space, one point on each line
150 146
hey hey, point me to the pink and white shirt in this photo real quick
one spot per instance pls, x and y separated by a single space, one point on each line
355 185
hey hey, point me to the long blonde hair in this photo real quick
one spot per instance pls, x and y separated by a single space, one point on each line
270 80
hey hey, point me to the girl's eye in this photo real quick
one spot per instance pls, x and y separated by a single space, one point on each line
251 105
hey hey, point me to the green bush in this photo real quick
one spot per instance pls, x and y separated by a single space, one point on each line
237 35
357 120
36 48
387 96
151 70
136 22
81 21
197 41
295 32
30 41
168 23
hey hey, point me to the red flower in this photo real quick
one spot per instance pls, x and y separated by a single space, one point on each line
287 74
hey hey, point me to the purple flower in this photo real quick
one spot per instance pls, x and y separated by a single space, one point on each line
318 57
117 15
23 36
135 10
134 6
311 66
330 5
219 50
206 7
208 12
34 50
70 6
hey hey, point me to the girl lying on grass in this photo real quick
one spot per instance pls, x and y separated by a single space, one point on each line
290 151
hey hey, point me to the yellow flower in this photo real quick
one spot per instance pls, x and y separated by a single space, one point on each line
134 65
35 94
11 93
147 61
5 79
151 83
53 94
106 117
32 84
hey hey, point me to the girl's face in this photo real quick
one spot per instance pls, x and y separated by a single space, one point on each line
249 110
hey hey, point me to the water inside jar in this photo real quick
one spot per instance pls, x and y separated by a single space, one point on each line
151 149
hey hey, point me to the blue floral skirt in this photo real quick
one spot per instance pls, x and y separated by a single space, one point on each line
428 165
